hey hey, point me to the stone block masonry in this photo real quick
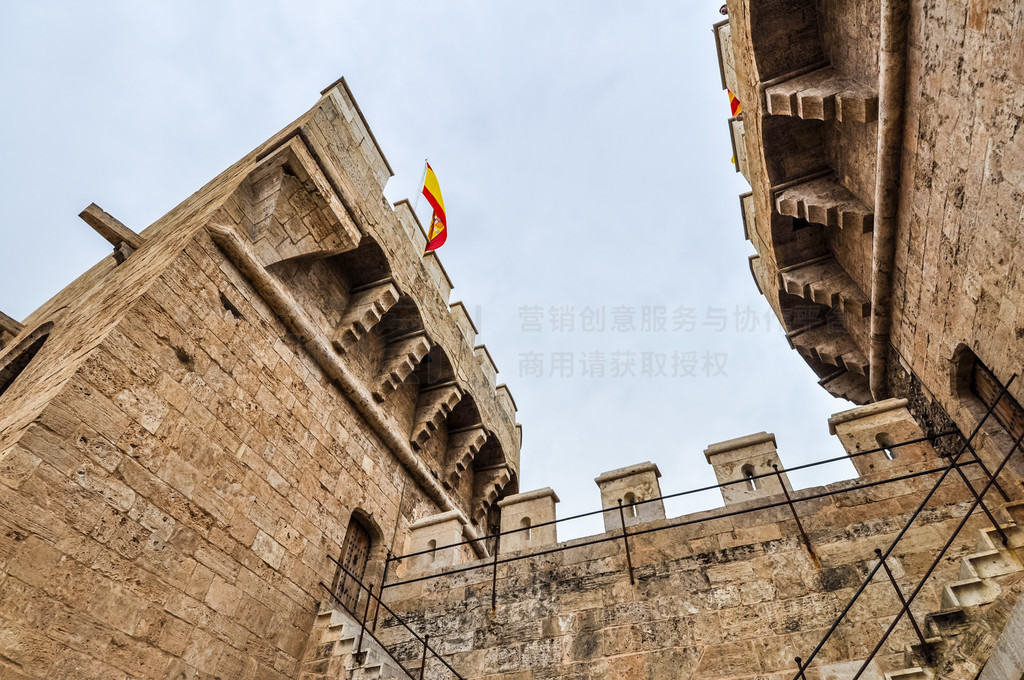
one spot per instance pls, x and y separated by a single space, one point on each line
725 593
183 452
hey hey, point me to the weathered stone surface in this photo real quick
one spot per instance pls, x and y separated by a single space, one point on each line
183 447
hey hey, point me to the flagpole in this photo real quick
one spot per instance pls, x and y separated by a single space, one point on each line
419 191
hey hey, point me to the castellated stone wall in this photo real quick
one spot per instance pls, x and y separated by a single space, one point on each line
207 413
716 596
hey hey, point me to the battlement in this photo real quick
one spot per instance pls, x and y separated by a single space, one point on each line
881 439
303 223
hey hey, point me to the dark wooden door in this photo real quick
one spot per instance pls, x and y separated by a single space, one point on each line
987 388
354 555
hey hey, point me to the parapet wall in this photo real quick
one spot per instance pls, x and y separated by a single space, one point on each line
725 593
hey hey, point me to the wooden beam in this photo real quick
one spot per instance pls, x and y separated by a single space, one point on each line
109 227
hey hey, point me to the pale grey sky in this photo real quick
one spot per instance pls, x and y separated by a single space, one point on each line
583 152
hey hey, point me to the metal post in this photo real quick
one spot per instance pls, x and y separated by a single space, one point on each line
423 661
981 503
494 574
366 610
800 667
899 593
376 609
906 527
942 552
792 508
988 473
625 540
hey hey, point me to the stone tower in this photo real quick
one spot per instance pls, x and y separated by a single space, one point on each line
267 381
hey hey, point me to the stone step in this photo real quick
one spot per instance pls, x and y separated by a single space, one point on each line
969 593
946 622
989 564
924 655
989 539
1016 512
916 673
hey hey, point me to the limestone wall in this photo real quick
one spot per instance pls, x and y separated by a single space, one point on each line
958 255
182 457
714 597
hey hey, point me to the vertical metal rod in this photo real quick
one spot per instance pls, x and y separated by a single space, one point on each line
981 503
903 601
988 473
625 540
792 508
906 527
423 661
376 609
366 610
940 555
494 574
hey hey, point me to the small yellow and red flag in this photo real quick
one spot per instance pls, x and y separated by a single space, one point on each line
734 104
438 231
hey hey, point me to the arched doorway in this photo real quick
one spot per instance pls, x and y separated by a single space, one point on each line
355 554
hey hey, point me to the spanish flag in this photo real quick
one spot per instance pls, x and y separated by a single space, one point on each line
438 231
734 104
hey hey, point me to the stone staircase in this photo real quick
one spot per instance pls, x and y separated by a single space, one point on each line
980 582
331 653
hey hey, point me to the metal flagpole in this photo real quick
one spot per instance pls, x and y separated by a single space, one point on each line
419 190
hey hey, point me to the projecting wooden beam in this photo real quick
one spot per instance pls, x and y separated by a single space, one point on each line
109 227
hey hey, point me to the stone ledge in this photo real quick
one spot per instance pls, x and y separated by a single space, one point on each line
738 443
612 475
529 496
436 519
864 412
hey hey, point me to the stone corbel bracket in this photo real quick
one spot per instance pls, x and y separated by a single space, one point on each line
320 348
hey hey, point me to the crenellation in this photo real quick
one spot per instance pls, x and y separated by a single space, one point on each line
487 365
747 464
880 425
270 381
462 319
637 490
414 230
523 513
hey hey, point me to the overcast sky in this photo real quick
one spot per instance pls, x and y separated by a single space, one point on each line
584 156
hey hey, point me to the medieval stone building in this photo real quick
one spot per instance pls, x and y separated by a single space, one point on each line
259 441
